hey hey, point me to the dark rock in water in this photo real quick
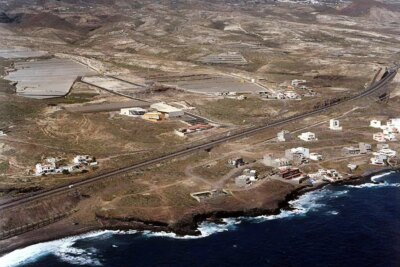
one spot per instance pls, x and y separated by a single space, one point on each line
4 18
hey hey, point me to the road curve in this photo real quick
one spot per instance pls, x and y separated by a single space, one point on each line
247 132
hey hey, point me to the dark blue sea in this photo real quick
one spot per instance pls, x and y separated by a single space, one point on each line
335 226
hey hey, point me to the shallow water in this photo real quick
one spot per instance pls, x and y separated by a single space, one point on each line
335 226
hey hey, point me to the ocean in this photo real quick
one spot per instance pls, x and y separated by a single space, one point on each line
335 226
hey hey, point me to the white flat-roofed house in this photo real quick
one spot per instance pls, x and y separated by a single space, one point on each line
379 137
387 151
375 124
394 123
284 136
390 137
364 147
298 82
335 125
291 153
292 95
82 159
133 112
271 161
379 159
168 110
44 169
308 137
315 156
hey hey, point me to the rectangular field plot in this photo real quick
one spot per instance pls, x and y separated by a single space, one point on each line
46 78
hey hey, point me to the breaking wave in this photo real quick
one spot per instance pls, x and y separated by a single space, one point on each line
306 203
205 228
376 178
63 249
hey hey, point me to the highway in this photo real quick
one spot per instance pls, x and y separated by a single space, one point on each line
194 148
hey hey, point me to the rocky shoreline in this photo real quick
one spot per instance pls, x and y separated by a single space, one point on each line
188 225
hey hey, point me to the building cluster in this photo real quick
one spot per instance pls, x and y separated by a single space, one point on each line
299 85
389 131
284 95
330 175
236 162
158 112
247 178
362 148
383 155
53 165
231 95
162 111
284 136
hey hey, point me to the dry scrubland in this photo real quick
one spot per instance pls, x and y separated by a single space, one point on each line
337 50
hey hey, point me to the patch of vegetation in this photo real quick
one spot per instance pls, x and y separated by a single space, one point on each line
4 166
238 112
77 98
140 201
219 25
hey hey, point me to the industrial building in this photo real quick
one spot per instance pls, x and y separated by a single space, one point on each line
153 116
168 110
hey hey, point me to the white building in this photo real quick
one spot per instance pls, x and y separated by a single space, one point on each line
308 137
271 161
315 156
305 152
386 151
379 159
375 124
284 136
390 136
394 123
2 133
298 82
292 95
44 169
335 125
133 112
82 159
168 110
379 137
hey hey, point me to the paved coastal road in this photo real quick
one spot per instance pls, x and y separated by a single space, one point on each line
194 148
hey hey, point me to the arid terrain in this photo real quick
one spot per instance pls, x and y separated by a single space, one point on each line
68 67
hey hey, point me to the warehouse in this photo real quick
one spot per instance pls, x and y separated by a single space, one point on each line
169 111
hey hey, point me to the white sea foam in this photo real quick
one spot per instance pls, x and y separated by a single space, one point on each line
205 228
306 203
62 248
371 185
333 212
376 178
